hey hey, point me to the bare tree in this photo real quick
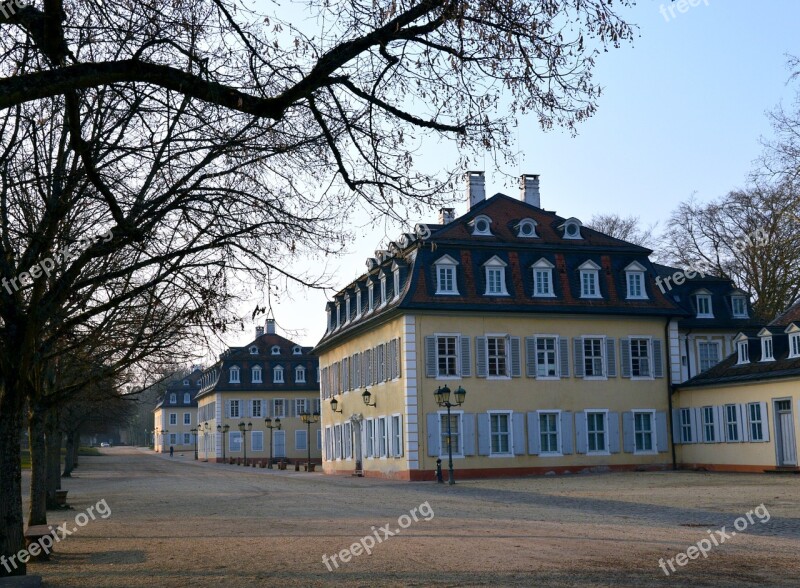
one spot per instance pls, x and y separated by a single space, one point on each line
175 145
626 228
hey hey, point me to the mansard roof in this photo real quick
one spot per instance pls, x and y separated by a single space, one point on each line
189 383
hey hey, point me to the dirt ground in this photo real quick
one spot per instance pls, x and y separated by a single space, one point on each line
177 522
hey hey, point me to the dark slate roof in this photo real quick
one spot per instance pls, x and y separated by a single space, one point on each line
414 257
216 378
728 372
792 315
190 383
721 290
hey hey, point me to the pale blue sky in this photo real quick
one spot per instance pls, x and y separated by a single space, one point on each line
682 113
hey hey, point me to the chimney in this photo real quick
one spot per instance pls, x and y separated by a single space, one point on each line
259 331
529 189
476 187
446 215
270 324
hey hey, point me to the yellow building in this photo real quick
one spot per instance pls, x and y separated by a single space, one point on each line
271 381
175 415
556 332
740 415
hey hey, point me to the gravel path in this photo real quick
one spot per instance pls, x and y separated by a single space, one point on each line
177 522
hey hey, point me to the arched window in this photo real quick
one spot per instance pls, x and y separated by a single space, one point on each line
173 398
187 398
276 350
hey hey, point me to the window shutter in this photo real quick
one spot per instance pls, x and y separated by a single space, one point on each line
577 344
563 356
389 437
566 433
292 407
580 432
484 434
518 420
228 409
658 361
662 438
694 419
466 358
480 357
719 424
764 421
397 358
744 426
433 434
365 360
611 357
613 432
625 357
676 426
402 436
516 361
468 421
530 357
245 404
430 357
265 408
628 440
534 440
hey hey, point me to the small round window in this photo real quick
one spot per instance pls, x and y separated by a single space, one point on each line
482 226
526 229
572 229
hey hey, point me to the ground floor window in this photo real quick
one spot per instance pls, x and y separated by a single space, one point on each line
455 434
257 440
300 440
756 421
709 431
732 421
643 432
397 435
686 425
501 433
596 429
235 441
548 432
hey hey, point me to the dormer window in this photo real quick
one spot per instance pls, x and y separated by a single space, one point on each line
767 349
347 309
277 375
482 225
634 276
794 345
256 374
173 398
571 228
742 350
526 229
590 280
704 305
276 350
543 278
371 296
383 289
495 270
445 268
253 350
330 319
186 382
300 374
187 398
297 350
338 315
358 303
396 279
739 306
233 376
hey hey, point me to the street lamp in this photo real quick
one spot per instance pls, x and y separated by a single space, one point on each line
205 429
335 405
224 430
243 428
442 396
194 432
164 439
309 419
366 396
269 424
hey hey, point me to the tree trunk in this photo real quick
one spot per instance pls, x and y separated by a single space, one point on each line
69 456
11 538
53 439
37 515
76 450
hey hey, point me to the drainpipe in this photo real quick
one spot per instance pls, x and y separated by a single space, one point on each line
669 395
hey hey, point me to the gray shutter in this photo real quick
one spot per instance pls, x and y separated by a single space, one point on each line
534 441
613 432
676 426
625 357
484 434
580 432
228 409
662 438
397 367
628 438
658 362
466 358
719 424
430 356
744 427
290 410
563 356
566 433
482 362
433 434
694 414
469 433
530 356
764 421
265 406
516 367
389 439
518 419
577 344
611 357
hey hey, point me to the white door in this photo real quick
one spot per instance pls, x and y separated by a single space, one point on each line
280 443
786 444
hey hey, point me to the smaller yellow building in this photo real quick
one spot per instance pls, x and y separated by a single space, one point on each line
175 415
266 386
741 415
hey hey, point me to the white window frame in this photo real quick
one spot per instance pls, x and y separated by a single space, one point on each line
358 303
545 268
767 349
234 375
384 299
457 337
382 437
739 300
701 313
742 352
253 350
278 375
559 446
477 231
495 266
446 263
369 438
556 355
794 345
257 374
506 355
603 366
396 282
653 435
735 422
590 270
709 425
604 412
686 425
275 404
347 440
187 418
301 405
458 448
509 434
300 374
187 398
708 343
276 350
649 357
346 311
173 398
527 222
761 422
635 282
256 402
173 418
235 403
396 439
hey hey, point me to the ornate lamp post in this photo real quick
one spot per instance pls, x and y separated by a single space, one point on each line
243 428
205 429
442 396
224 430
270 425
367 396
309 419
194 432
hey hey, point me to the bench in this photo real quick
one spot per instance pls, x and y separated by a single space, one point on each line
33 534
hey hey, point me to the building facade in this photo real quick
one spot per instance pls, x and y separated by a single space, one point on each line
175 415
269 378
557 333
